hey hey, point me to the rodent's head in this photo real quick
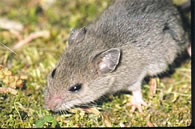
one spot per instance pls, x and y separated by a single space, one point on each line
82 74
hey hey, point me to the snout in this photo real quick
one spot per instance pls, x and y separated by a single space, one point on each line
53 103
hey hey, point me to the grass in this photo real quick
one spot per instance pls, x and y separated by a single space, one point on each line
170 106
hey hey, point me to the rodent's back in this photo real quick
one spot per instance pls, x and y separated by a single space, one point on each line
137 21
153 26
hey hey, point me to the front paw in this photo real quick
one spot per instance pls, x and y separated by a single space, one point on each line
137 101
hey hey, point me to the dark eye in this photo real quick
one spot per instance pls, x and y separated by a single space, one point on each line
75 88
53 73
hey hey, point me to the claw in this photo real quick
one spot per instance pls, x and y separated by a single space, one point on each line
138 105
137 101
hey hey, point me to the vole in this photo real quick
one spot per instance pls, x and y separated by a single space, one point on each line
129 41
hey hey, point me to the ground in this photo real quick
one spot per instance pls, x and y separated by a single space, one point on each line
169 106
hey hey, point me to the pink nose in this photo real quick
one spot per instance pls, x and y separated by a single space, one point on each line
54 102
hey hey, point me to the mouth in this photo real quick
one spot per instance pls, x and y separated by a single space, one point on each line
57 105
68 105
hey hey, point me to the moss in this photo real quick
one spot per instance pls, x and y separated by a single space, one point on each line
170 106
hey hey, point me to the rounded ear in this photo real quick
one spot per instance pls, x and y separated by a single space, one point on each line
107 61
77 35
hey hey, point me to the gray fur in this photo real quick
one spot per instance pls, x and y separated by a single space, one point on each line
149 35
